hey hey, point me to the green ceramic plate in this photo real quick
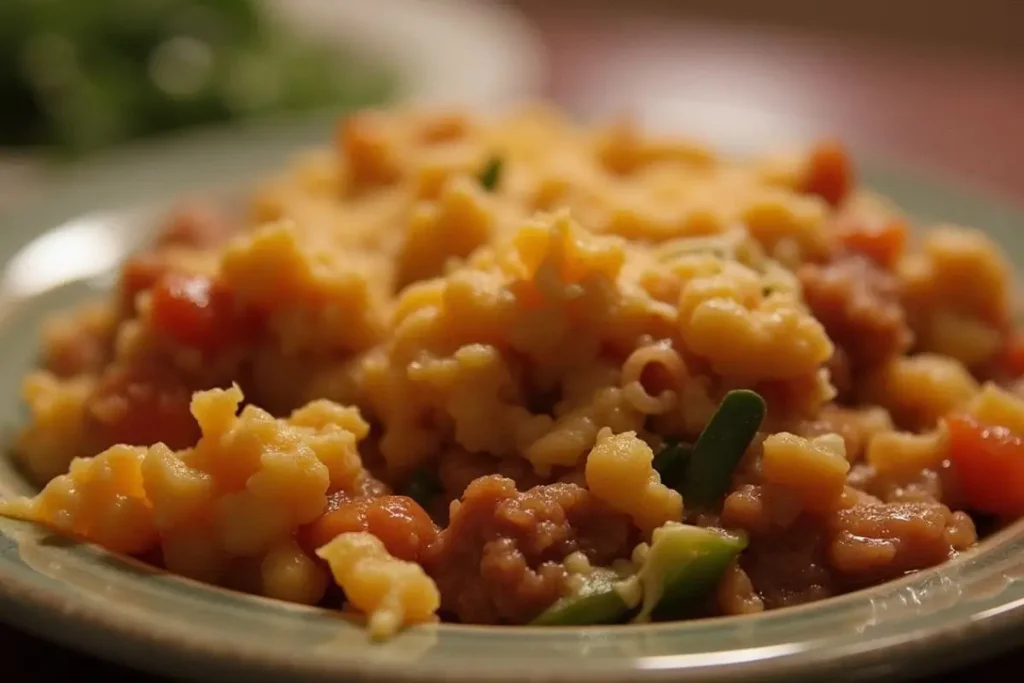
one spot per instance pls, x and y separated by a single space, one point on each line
60 249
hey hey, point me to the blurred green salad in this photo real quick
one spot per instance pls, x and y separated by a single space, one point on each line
79 75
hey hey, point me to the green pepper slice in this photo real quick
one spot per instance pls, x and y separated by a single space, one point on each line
683 566
491 173
720 447
599 601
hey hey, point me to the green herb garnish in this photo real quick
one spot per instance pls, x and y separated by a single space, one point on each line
491 173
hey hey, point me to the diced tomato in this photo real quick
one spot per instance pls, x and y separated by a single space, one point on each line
184 308
830 173
398 521
883 242
989 463
196 311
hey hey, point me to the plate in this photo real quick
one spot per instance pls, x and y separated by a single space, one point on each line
61 250
122 610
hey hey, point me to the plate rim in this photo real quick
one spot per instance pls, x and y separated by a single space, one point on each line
131 640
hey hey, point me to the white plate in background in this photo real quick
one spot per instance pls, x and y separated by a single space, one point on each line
482 54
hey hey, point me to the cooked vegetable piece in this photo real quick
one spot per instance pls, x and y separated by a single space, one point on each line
185 308
682 567
830 173
198 311
721 446
490 176
671 461
882 242
599 601
423 486
989 463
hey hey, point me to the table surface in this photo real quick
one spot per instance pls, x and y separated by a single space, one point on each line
929 104
955 110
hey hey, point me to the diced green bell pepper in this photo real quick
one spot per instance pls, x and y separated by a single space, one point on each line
599 601
683 566
721 446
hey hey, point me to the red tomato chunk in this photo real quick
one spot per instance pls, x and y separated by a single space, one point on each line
989 462
198 311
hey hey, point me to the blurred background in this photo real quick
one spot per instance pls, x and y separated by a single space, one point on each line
938 84
934 83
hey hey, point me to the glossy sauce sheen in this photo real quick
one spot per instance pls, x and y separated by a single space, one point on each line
404 527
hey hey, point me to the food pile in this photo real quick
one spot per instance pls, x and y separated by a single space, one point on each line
515 371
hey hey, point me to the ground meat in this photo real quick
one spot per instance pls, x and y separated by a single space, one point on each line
759 509
140 405
873 543
859 305
80 341
500 559
736 594
789 567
